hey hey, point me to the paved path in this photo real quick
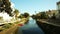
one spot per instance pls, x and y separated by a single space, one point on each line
44 21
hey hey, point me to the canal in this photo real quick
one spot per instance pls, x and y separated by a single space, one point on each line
30 28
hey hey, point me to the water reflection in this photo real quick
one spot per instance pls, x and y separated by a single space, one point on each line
30 28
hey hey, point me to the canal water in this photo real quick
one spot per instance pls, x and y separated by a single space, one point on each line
30 28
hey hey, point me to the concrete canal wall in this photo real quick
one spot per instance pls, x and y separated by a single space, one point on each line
48 28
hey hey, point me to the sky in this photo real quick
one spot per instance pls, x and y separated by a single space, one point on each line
34 6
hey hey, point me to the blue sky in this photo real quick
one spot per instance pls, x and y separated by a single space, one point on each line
31 6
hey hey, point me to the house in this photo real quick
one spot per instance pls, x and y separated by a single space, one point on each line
51 12
58 8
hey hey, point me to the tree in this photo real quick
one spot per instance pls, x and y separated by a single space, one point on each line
21 16
33 16
49 10
5 6
26 15
53 17
16 13
43 15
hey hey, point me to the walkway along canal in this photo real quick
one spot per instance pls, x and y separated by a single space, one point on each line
30 28
48 28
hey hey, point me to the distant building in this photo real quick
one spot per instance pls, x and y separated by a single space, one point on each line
51 12
58 6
